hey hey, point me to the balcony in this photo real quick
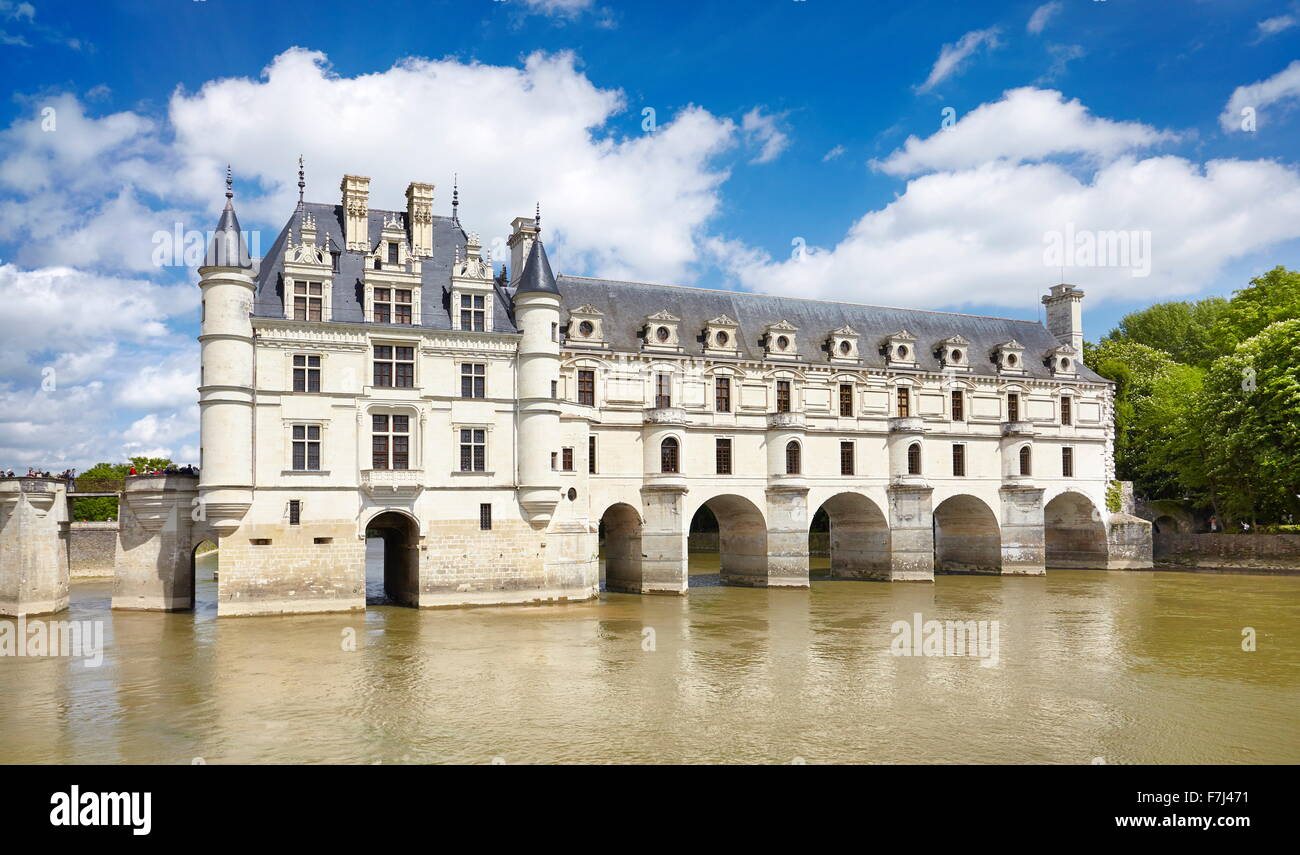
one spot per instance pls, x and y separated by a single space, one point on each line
907 424
1017 429
779 421
665 416
392 483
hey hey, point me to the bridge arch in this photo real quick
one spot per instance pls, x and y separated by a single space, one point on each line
741 538
620 548
400 534
857 537
967 538
1074 533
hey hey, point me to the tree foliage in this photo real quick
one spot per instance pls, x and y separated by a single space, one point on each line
105 507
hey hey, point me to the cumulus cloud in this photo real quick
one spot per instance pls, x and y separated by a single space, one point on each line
1044 13
1280 89
953 56
1026 124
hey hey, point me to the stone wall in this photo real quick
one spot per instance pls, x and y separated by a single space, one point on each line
92 549
1231 552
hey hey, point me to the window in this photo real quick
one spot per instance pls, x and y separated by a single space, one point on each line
394 366
663 390
668 455
793 458
722 454
473 312
587 387
306 373
1013 406
914 459
958 407
1026 460
555 332
392 306
485 517
1067 462
958 460
295 512
473 450
1065 410
846 399
566 459
306 448
555 388
722 394
473 379
783 396
591 454
392 252
390 442
846 458
904 403
307 301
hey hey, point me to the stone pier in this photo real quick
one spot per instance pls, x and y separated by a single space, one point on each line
33 546
156 533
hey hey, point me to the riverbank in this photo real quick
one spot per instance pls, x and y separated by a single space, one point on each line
1253 554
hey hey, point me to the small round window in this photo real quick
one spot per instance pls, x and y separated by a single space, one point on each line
846 348
782 343
956 356
586 328
902 351
662 333
573 494
1011 359
1065 364
722 338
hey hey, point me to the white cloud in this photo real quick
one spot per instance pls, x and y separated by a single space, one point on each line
833 153
1042 15
1026 124
951 57
1062 56
559 8
1281 88
1272 26
763 130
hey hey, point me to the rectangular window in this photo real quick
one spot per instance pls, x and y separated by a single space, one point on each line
1013 406
783 396
591 454
295 512
392 252
473 450
390 443
402 306
723 455
587 387
904 403
308 301
958 407
383 305
846 399
473 380
1065 411
958 460
722 394
566 459
306 373
473 312
1067 462
394 366
485 517
663 390
306 448
846 458
392 306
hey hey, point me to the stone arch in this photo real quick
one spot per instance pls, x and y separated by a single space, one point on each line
204 559
858 539
742 539
1167 524
966 537
401 557
1074 533
620 548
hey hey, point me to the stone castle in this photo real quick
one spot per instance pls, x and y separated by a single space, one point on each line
514 436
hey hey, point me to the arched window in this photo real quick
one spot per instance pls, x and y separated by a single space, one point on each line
668 455
914 459
792 458
1026 460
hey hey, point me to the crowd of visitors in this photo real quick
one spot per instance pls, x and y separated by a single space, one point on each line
71 474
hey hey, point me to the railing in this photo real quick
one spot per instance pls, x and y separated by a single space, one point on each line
97 485
665 416
907 424
786 420
392 480
1017 428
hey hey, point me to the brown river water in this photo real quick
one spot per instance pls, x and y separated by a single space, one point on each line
1136 667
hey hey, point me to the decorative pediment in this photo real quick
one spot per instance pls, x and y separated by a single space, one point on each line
900 348
1063 361
660 332
586 326
663 315
587 310
721 337
1009 356
842 345
779 340
476 265
954 353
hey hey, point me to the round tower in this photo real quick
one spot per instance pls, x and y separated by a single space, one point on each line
537 315
226 379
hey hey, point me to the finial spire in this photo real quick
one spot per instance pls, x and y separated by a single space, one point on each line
230 183
455 198
301 183
537 219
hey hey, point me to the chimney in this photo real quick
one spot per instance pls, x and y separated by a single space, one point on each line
356 213
1065 315
419 218
523 233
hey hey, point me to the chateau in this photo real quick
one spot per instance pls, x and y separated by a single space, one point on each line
516 436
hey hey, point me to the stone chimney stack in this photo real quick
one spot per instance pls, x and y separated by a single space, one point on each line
356 213
523 233
419 218
1065 315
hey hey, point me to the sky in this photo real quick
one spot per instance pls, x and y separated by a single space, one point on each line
943 155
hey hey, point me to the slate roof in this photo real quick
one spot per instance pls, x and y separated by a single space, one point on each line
537 277
626 305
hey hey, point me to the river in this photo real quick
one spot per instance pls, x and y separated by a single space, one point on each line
1093 666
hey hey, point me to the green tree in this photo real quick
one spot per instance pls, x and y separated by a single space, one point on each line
1183 330
1273 297
105 507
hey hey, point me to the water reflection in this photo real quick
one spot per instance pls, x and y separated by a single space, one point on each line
1132 667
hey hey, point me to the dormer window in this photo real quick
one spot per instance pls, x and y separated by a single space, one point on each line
900 349
1009 356
780 341
392 252
1062 361
392 306
308 301
954 353
585 326
843 345
473 312
660 332
722 337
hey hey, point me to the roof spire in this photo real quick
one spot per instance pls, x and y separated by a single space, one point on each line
455 198
537 219
301 182
230 183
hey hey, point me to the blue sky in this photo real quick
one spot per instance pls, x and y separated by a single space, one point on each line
919 153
